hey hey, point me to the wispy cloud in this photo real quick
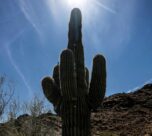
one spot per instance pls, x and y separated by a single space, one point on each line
16 67
58 10
114 30
26 8
104 6
14 64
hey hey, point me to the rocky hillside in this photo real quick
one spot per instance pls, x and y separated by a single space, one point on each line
121 115
125 114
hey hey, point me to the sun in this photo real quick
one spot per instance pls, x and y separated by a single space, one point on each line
77 3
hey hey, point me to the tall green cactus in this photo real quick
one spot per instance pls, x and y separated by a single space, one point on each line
69 90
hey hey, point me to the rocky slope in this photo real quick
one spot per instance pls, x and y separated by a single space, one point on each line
125 114
121 115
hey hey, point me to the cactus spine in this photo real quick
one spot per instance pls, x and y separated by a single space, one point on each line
69 90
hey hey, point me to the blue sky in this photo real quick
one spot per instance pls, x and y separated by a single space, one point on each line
33 33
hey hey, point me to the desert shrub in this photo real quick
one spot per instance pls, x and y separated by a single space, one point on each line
6 94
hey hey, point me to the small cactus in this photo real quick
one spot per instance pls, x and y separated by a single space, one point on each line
69 90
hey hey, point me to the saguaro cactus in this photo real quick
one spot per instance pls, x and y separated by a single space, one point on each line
69 90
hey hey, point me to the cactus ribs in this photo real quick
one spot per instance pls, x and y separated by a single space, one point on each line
70 91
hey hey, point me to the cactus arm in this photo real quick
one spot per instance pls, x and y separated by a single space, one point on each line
68 89
68 75
51 91
56 76
98 82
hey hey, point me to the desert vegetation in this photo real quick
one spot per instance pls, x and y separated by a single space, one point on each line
16 117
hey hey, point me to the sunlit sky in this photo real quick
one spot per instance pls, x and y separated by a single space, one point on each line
34 32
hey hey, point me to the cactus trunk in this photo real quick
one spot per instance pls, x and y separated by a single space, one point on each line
76 118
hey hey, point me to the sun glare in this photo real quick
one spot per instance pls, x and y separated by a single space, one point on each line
77 3
90 9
